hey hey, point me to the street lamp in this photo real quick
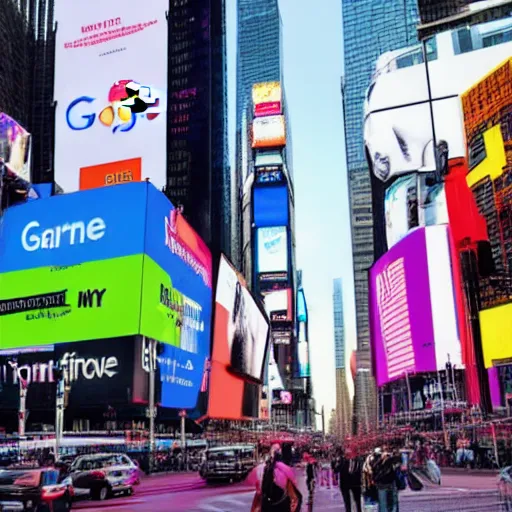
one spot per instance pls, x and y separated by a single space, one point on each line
23 390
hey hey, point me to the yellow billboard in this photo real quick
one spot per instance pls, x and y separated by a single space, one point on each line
268 132
496 330
267 99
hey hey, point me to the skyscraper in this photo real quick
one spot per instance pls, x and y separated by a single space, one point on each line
343 409
198 171
370 28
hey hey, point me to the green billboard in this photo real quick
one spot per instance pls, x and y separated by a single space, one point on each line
99 299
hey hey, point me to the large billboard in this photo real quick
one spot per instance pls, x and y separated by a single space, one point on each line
272 249
15 147
267 99
239 348
112 173
63 277
412 307
268 132
110 88
398 124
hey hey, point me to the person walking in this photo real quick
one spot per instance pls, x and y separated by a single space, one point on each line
381 468
349 472
276 485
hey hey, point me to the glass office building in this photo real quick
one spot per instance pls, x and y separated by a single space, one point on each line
370 28
198 169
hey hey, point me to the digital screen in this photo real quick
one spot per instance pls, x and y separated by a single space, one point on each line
302 310
239 346
267 158
266 98
269 175
268 132
432 206
278 305
412 306
270 206
113 173
401 208
398 123
119 107
272 247
15 147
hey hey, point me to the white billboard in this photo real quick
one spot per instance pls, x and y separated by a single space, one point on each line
398 126
110 88
272 244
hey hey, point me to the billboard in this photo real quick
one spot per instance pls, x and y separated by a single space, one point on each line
239 348
268 132
272 249
432 206
401 208
278 305
15 147
63 277
113 173
267 99
303 352
486 107
271 206
397 122
112 113
412 307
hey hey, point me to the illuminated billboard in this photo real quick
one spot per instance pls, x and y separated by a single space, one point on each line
397 121
239 348
15 147
272 249
267 99
401 208
113 173
110 87
63 277
271 206
268 132
412 307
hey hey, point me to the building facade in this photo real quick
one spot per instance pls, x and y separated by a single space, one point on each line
343 405
369 29
198 169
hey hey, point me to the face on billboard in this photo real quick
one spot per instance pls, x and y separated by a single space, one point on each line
15 146
71 229
272 245
268 132
413 319
266 98
59 304
398 125
116 112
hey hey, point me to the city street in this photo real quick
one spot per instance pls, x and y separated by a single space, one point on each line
460 492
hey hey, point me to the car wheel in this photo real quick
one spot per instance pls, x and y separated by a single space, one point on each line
129 491
100 493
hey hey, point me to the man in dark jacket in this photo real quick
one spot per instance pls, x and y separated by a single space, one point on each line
349 472
383 466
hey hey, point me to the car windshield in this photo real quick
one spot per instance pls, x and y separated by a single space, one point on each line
224 455
99 462
21 478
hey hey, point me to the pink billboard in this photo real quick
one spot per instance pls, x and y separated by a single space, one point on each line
413 323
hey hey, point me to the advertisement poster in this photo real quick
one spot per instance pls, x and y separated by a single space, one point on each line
239 348
267 98
110 87
412 307
268 132
401 208
271 206
397 120
272 247
15 147
113 173
432 208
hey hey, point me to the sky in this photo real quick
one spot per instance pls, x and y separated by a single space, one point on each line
312 45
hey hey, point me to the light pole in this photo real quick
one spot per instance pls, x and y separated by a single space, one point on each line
151 413
58 375
183 416
23 390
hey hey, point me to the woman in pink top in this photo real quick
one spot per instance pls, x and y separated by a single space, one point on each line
276 485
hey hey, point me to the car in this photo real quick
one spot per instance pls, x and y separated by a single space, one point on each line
102 475
34 490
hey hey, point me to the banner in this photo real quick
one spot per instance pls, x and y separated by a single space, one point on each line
268 132
267 99
113 173
15 147
110 87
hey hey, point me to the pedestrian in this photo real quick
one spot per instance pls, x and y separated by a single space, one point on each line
349 471
381 468
276 485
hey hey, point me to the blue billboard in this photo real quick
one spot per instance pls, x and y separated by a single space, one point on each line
70 229
271 206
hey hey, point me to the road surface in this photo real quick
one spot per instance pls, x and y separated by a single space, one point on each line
459 492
